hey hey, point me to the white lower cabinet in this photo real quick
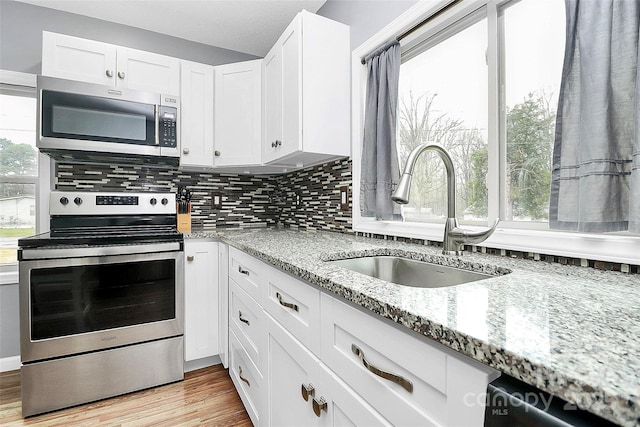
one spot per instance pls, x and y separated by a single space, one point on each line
248 381
201 299
303 392
318 361
246 320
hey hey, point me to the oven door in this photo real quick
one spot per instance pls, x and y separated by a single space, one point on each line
75 304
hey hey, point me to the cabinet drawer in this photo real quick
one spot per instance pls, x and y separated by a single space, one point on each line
416 397
246 320
247 380
247 272
296 305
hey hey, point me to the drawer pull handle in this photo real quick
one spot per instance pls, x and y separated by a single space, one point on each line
241 319
403 382
242 271
241 377
292 306
319 405
189 258
307 390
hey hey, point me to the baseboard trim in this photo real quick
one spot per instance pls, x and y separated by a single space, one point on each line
9 363
205 362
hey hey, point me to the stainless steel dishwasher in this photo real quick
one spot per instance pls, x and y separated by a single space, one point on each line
512 403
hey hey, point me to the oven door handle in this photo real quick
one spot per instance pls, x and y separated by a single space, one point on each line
84 251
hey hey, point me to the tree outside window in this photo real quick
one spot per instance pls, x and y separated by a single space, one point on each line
18 169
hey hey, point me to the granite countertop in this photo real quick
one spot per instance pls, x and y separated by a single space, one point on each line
571 331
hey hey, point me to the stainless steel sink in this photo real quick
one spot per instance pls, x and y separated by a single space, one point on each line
408 272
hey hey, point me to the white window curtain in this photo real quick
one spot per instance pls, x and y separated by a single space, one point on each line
380 170
596 162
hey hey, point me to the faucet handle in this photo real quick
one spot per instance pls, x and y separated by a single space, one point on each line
456 237
463 235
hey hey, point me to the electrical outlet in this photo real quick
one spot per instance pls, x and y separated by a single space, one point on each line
298 199
344 198
216 200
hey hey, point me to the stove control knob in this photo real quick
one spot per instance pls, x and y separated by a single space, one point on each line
153 201
164 201
77 201
64 201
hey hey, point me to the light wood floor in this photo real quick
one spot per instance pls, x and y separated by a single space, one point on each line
206 397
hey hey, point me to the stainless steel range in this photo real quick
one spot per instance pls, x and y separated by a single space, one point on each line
101 299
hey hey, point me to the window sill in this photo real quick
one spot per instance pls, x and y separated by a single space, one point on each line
9 277
600 247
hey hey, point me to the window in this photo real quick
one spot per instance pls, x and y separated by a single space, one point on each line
533 45
446 104
481 78
444 99
18 168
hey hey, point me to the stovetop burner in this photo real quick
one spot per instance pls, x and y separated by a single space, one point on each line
101 219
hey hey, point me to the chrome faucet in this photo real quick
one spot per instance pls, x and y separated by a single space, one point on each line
454 237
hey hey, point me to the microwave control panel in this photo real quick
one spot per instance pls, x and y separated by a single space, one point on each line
168 118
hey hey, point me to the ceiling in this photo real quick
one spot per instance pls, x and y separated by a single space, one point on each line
249 26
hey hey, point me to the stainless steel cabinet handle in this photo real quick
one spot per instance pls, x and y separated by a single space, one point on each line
216 153
241 377
241 319
307 390
242 271
190 258
185 151
401 381
109 73
292 306
319 405
121 75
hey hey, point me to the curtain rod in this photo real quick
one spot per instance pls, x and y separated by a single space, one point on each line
419 25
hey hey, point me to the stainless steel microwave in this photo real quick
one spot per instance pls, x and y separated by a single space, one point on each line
84 122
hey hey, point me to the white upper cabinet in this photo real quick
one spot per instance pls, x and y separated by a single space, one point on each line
90 61
238 114
148 71
196 129
78 59
306 105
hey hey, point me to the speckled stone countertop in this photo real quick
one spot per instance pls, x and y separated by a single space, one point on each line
571 331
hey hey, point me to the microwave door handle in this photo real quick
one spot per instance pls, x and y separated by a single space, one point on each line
156 115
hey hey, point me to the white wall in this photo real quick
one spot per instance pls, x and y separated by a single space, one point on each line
365 17
21 27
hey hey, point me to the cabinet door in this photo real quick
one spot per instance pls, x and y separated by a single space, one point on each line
418 394
296 306
238 100
147 71
78 59
201 299
329 402
196 114
248 381
272 104
344 406
291 367
291 89
246 320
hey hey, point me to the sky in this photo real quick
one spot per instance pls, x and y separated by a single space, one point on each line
18 119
